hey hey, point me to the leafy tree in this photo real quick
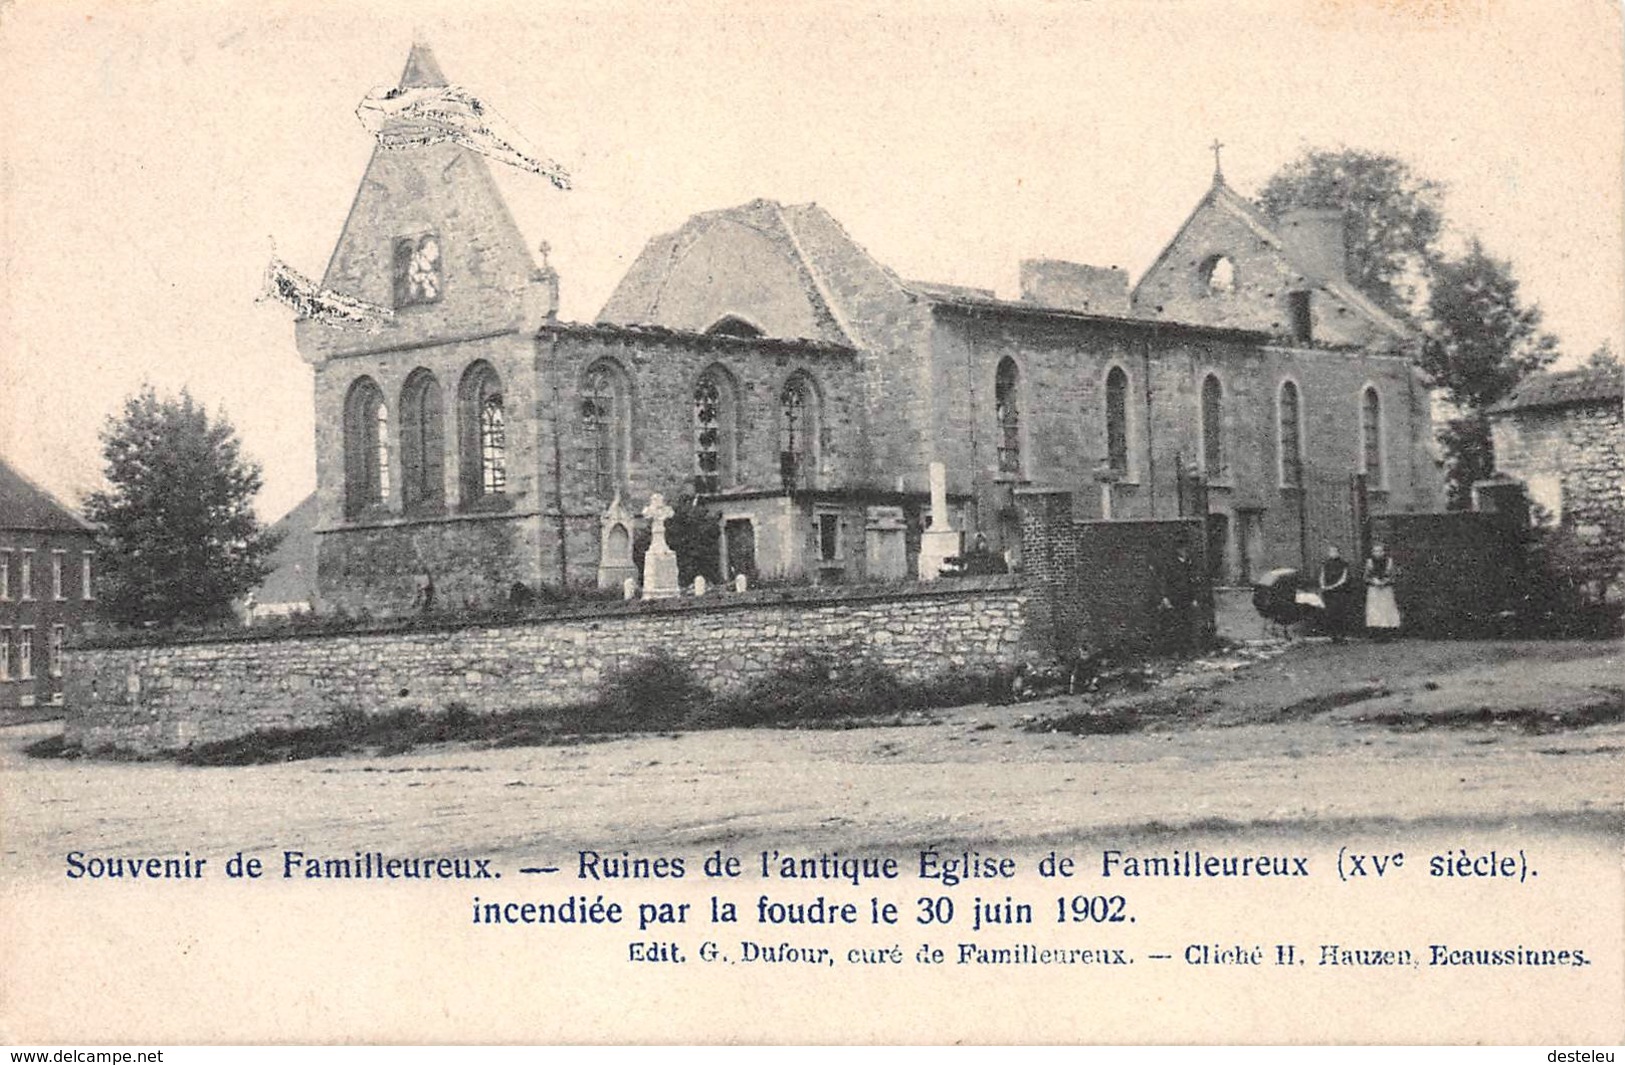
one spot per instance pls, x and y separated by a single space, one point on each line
1604 358
1481 341
1394 217
178 535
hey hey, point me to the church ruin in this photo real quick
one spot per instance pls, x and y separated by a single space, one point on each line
759 359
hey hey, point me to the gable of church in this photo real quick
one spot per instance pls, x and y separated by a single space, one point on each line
786 272
1227 266
430 238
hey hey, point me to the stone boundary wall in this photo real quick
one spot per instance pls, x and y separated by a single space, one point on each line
168 696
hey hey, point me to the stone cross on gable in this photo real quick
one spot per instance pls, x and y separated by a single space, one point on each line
657 512
1216 147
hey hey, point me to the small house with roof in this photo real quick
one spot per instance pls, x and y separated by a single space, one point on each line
47 591
1563 436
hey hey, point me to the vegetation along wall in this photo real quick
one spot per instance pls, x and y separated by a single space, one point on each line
165 696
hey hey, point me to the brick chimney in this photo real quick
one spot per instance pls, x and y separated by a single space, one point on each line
1316 239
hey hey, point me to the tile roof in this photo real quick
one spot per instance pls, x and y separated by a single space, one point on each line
25 505
1566 389
293 564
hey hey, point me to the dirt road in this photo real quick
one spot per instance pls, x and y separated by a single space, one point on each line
1478 733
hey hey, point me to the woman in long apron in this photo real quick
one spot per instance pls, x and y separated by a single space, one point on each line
1381 608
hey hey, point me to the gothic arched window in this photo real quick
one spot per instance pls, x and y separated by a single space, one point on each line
1117 421
1371 436
1212 428
366 447
731 325
423 459
714 431
483 430
1007 409
1290 436
798 433
604 424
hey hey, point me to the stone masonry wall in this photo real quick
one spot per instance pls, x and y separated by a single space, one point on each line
1062 372
1584 445
168 696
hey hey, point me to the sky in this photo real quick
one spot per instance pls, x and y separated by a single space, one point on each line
154 155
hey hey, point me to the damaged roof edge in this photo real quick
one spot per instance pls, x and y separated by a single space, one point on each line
1017 308
611 330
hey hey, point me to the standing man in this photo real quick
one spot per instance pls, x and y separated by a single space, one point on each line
1337 592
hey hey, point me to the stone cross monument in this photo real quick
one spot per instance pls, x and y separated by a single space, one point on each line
660 563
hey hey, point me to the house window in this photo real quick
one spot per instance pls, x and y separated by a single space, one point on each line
27 575
1290 436
418 277
1117 422
87 588
829 537
1371 437
714 447
5 574
604 419
1007 408
366 448
423 455
798 433
56 575
1303 320
1212 428
59 635
5 654
483 429
25 653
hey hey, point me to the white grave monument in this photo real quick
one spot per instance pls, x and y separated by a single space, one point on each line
615 565
939 542
660 563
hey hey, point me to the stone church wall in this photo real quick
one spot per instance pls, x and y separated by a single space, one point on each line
167 696
662 370
1063 366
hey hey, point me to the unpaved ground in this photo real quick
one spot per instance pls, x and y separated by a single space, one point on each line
1229 745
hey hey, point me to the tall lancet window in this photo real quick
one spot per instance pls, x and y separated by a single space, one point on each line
483 433
366 448
604 423
1371 437
714 446
1291 436
423 485
798 433
1117 422
1007 410
1212 428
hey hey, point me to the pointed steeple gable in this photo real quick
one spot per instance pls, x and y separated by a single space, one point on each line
421 69
429 236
